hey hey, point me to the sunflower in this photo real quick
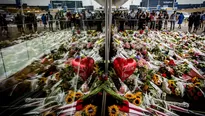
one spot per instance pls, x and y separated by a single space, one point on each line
171 83
130 96
177 92
137 101
49 114
71 93
90 110
195 79
138 94
166 62
197 84
78 95
113 110
145 88
155 77
43 80
69 99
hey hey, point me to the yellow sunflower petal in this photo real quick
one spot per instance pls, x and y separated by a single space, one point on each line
129 96
137 101
113 110
78 95
69 99
90 110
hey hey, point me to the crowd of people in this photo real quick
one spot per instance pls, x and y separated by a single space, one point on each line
159 20
136 20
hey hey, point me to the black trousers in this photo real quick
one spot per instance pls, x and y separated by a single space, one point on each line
122 25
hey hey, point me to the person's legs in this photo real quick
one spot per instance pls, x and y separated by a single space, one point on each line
171 24
189 29
35 27
130 23
51 26
154 25
179 26
44 26
151 25
160 26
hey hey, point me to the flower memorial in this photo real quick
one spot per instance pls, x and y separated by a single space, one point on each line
147 75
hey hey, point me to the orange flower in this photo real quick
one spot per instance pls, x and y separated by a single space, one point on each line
138 94
78 95
197 84
90 110
113 110
145 88
137 101
130 96
194 79
69 99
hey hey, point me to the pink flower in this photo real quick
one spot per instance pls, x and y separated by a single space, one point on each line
89 45
133 46
122 89
142 62
196 54
127 45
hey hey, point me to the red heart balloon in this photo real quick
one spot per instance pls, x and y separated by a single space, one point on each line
124 67
84 66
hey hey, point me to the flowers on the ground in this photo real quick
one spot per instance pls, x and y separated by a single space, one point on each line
130 96
113 110
90 110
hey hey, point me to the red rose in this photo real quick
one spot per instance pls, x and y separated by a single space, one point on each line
172 63
199 93
164 75
141 31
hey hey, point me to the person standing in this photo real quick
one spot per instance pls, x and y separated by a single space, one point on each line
28 22
77 17
160 21
196 22
62 21
122 21
5 26
173 20
191 22
180 20
98 19
142 20
57 18
1 24
147 18
19 23
35 25
43 18
50 21
68 19
88 17
153 21
166 18
203 20
132 17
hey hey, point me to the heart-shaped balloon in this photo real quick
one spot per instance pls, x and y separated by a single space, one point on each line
84 66
124 67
